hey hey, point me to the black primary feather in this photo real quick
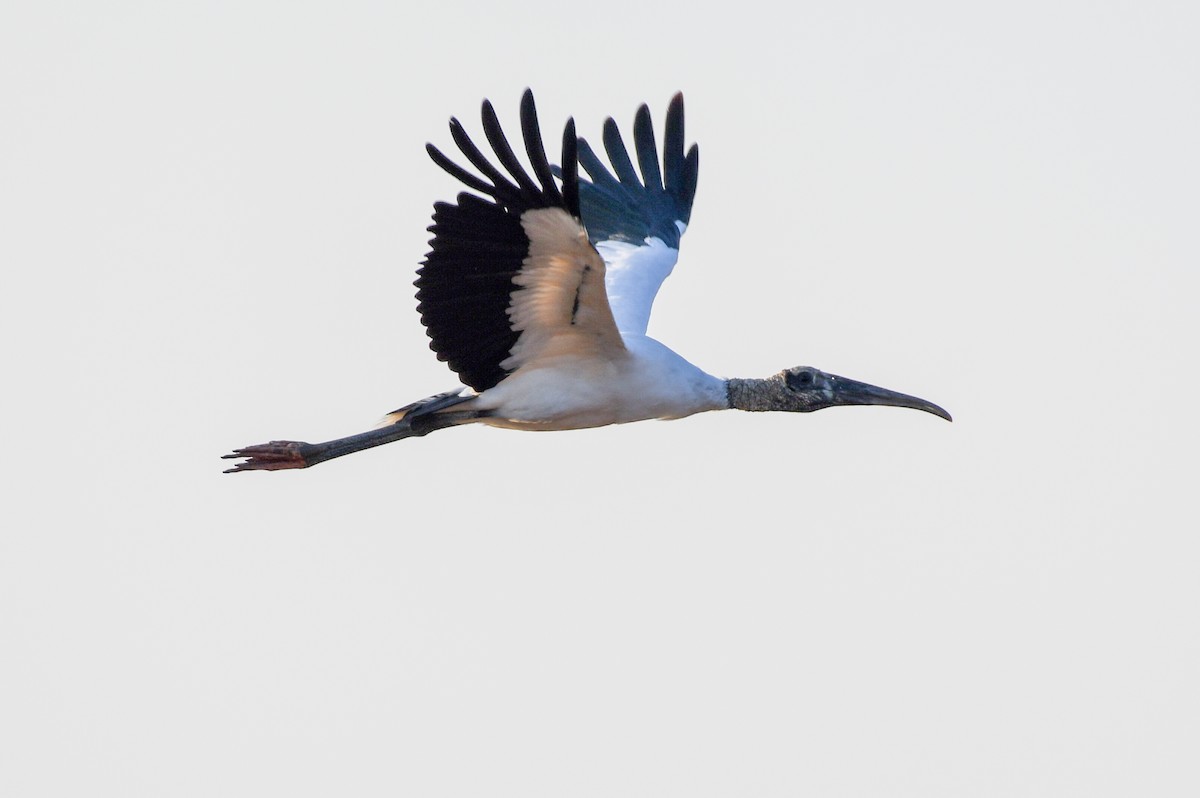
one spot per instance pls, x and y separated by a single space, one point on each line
465 284
619 205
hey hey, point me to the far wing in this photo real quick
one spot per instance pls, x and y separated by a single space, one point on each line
636 222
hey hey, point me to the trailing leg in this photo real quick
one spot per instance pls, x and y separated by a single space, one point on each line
412 421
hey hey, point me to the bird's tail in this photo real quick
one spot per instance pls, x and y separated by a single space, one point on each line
422 407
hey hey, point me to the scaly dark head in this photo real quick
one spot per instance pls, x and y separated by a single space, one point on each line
804 389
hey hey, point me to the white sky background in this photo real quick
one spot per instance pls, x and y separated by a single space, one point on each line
212 214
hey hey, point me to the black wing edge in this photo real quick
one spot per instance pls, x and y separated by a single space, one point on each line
619 205
478 244
516 191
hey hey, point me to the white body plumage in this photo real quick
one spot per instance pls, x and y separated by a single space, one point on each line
646 380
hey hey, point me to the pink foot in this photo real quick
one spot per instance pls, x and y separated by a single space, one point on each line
273 456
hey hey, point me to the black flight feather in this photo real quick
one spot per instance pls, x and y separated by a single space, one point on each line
619 205
465 284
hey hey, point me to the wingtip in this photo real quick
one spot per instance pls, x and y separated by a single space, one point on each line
487 110
527 100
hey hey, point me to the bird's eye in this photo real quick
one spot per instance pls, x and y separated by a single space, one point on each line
800 380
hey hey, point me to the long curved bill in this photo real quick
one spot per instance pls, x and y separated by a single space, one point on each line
852 392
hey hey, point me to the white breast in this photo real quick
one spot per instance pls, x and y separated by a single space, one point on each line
645 381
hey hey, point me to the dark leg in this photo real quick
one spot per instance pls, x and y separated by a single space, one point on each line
415 420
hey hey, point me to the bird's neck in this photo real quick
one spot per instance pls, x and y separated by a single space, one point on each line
754 395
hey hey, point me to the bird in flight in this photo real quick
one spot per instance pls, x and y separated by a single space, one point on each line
537 293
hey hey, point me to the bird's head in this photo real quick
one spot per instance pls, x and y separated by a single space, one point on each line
804 389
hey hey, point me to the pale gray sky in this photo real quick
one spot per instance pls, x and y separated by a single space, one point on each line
212 217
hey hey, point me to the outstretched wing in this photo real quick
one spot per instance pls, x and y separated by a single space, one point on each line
636 223
511 276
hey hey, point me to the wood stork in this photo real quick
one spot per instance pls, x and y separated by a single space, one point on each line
538 293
